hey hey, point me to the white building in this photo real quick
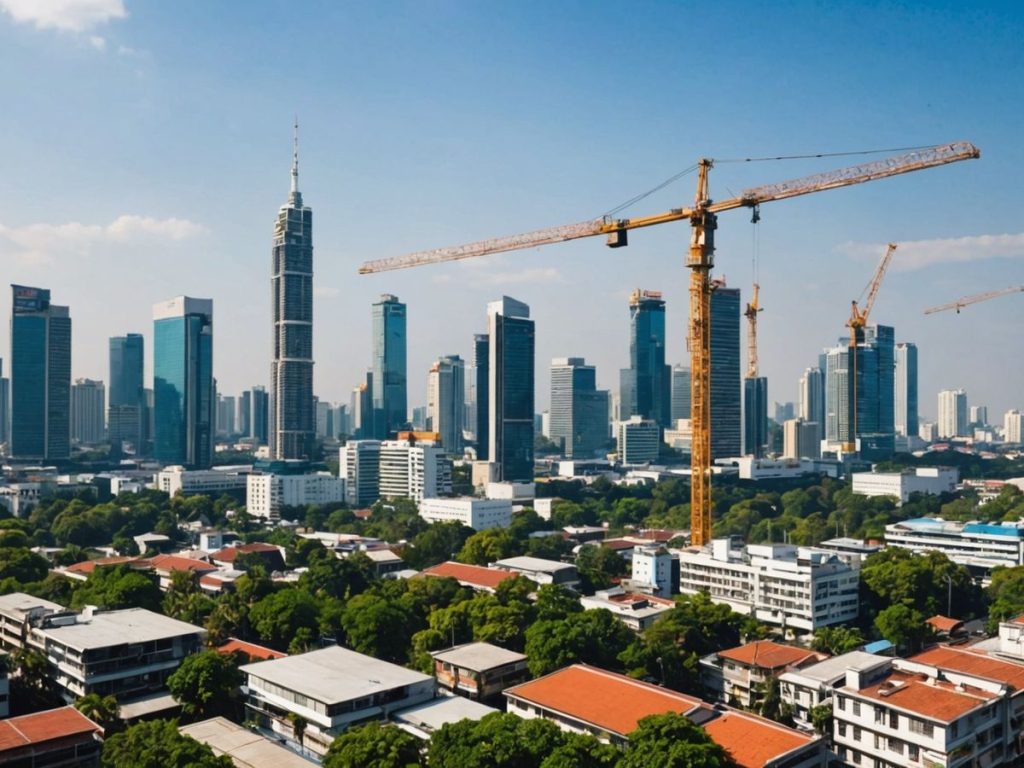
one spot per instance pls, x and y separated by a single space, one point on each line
980 546
637 440
928 431
930 480
952 420
801 439
478 514
359 465
176 479
330 689
799 588
656 569
637 611
751 468
266 494
813 686
385 469
540 570
1012 426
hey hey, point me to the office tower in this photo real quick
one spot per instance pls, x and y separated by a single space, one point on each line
419 418
978 415
755 415
260 418
510 389
726 393
390 398
324 419
87 400
244 419
361 407
342 428
1012 426
811 405
126 399
291 372
680 398
905 405
801 439
40 376
359 464
637 440
5 395
482 387
645 387
225 415
875 394
183 388
952 421
578 420
446 402
783 412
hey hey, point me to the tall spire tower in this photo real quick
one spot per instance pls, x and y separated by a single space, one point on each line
292 419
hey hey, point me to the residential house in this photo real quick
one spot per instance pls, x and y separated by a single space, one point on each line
55 738
742 675
479 670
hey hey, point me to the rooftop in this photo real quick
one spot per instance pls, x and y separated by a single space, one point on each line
245 748
754 741
20 602
424 719
253 651
178 563
40 727
478 657
535 564
926 696
475 575
768 655
828 670
945 624
333 675
228 554
972 663
132 625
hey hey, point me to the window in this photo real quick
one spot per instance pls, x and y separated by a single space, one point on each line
895 745
913 753
856 708
919 726
842 729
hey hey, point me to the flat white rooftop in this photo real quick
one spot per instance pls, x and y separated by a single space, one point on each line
829 669
333 675
245 748
133 625
21 602
535 564
478 657
423 719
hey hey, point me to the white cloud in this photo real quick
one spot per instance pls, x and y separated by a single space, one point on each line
97 42
42 243
64 15
532 275
918 254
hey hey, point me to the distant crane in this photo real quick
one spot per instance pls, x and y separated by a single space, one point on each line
751 314
703 222
857 323
978 297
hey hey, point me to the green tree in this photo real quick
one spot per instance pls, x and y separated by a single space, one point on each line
903 626
498 740
821 719
582 751
102 710
118 586
489 546
837 640
21 564
1006 592
555 602
591 637
157 744
440 542
379 627
185 601
373 746
281 614
32 686
206 684
672 741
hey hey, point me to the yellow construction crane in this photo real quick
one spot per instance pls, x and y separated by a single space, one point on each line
700 260
857 323
968 300
751 314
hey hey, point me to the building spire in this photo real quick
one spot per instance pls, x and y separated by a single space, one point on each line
295 159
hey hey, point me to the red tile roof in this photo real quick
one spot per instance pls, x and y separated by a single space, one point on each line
633 597
944 623
177 563
768 655
754 741
973 663
935 700
471 575
253 651
88 566
228 554
41 727
618 545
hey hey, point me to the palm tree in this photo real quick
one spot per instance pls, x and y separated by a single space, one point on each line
102 710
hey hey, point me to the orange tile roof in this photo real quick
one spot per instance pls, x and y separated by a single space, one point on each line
473 575
88 566
935 700
607 700
228 554
974 663
944 623
754 741
253 651
768 655
41 727
178 563
632 597
618 544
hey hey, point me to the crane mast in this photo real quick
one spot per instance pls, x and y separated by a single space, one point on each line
700 260
966 301
751 314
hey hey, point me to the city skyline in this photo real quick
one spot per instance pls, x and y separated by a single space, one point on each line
196 219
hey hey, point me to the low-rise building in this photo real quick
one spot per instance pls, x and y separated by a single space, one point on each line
212 482
929 480
271 556
56 738
166 566
478 514
424 720
636 610
267 493
540 570
330 689
246 748
584 699
475 577
655 570
813 685
797 588
479 670
741 675
979 546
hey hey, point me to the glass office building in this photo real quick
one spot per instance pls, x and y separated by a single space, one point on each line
481 369
511 369
126 398
645 387
579 410
905 404
755 415
390 396
726 423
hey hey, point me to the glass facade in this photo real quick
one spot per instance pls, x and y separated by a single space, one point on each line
873 359
511 389
126 398
905 405
481 365
579 411
647 381
726 421
446 402
755 415
680 394
390 397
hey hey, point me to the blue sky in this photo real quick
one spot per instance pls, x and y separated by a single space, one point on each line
145 150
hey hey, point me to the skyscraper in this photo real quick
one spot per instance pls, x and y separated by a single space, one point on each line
260 418
952 420
755 415
726 421
87 418
978 415
1012 423
579 410
645 387
446 402
126 399
5 399
390 396
291 373
510 369
680 408
226 406
183 398
800 439
482 378
244 422
874 384
905 404
811 400
40 376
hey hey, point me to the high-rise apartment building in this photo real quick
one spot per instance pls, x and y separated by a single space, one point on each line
244 418
40 376
226 406
755 415
5 408
579 410
680 398
726 392
952 421
645 387
126 399
183 389
801 439
978 415
811 400
510 389
291 372
88 398
446 402
390 395
481 393
361 407
259 415
1012 423
905 404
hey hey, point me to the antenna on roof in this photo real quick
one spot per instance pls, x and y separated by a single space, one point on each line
295 158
